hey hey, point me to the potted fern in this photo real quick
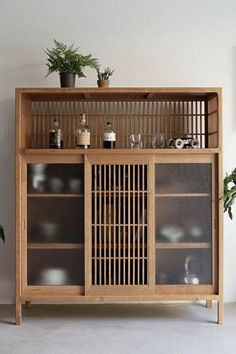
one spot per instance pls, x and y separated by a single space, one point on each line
103 77
229 192
68 62
2 234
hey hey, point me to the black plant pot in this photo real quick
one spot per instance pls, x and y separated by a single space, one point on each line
67 79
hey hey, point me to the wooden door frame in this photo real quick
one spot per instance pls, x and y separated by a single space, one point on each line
118 289
212 288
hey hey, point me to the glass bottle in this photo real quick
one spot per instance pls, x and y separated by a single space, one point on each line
82 139
109 137
56 136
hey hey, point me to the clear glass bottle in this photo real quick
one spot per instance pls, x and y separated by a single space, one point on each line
56 135
109 137
82 139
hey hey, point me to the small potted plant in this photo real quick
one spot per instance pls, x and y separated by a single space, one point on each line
2 234
103 77
68 62
229 192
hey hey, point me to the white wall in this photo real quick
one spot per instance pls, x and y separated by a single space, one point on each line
148 42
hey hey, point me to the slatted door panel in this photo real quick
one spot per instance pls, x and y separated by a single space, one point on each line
119 237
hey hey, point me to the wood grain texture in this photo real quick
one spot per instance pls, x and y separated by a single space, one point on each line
119 269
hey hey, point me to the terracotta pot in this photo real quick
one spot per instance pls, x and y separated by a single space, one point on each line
103 83
67 79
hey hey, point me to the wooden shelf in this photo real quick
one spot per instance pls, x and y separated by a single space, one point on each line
165 195
136 152
54 195
182 245
54 246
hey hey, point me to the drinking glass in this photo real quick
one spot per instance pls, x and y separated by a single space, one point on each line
158 141
136 141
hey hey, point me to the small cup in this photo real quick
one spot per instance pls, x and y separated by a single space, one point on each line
136 141
38 168
49 230
55 185
75 185
38 182
158 141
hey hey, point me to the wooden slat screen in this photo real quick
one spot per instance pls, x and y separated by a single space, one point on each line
149 117
119 224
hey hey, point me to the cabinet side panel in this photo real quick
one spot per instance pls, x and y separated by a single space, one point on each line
87 224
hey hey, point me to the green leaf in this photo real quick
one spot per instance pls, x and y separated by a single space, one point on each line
229 192
63 58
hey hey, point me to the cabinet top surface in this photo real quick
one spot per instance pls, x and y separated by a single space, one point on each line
114 92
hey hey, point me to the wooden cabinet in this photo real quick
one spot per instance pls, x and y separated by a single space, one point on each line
120 225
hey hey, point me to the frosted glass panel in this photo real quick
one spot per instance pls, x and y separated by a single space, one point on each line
183 219
55 219
183 229
183 178
55 204
55 267
189 267
55 178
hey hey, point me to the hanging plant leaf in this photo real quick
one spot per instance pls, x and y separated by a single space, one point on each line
2 234
229 192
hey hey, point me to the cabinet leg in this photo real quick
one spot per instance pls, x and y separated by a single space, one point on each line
209 304
220 312
28 305
18 312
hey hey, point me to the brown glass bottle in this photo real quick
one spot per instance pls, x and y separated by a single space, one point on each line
55 136
109 137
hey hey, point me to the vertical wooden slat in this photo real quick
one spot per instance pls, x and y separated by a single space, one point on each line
196 119
124 223
128 211
191 119
39 143
109 222
99 223
60 107
143 129
175 120
44 132
134 223
125 126
201 130
119 224
105 225
114 224
95 223
143 222
138 221
187 125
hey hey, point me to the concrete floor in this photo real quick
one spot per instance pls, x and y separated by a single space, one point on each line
111 329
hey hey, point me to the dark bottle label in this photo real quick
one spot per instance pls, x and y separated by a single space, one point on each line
109 144
55 141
